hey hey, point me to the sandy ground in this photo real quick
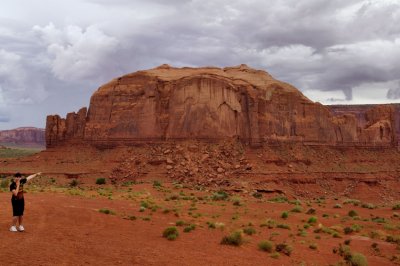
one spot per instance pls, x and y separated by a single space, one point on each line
62 229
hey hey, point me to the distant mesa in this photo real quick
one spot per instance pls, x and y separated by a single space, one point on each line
24 136
212 104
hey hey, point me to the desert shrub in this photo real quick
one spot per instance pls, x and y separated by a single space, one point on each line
267 246
257 195
107 211
375 247
279 199
100 181
211 225
284 248
358 259
74 183
396 207
4 183
306 226
348 230
313 246
337 206
302 233
220 195
157 184
380 220
368 206
352 213
275 255
311 211
284 215
312 220
295 202
347 241
171 233
344 251
249 230
393 239
352 201
356 227
180 223
268 223
296 209
234 239
237 201
283 226
189 228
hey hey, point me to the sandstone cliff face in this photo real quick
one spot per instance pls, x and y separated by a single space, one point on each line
168 103
23 135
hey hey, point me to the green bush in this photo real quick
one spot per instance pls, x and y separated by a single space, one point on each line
171 233
100 181
268 223
396 207
348 230
358 259
211 225
249 231
368 206
283 226
157 184
267 246
237 201
284 248
352 213
180 223
311 211
107 211
189 228
257 195
284 215
275 255
297 209
4 183
312 220
279 199
234 239
74 183
220 195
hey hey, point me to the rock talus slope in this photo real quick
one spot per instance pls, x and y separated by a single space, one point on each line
210 104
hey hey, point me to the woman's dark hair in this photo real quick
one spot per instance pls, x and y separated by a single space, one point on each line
18 174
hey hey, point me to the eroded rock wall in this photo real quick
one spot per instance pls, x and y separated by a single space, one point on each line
211 104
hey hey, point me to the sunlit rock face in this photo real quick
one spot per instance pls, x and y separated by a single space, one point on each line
213 104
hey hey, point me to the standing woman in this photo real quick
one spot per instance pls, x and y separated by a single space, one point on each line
17 200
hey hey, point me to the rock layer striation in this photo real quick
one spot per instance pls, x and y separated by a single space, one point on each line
167 103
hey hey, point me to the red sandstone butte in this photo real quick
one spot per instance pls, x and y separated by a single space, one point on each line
167 103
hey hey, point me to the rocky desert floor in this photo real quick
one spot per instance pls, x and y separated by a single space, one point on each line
151 222
194 203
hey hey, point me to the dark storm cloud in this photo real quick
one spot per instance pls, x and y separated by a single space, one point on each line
325 48
394 93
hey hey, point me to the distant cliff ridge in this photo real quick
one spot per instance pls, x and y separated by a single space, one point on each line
212 104
23 135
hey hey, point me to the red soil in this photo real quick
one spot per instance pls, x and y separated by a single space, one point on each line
69 230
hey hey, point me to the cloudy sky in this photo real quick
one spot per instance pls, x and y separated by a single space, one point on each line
55 54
